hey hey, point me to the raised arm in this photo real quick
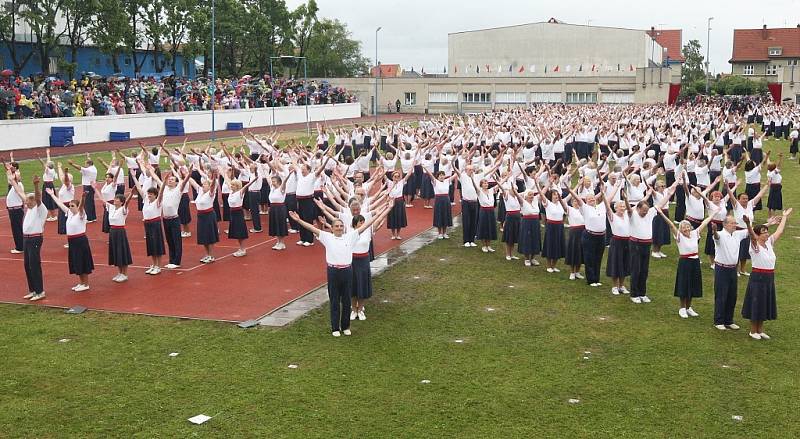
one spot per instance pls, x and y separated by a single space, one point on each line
782 225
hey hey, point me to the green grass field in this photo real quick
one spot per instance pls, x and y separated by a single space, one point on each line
649 374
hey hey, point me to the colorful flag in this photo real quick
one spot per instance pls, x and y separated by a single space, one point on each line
510 67
569 68
555 69
455 69
580 68
631 67
593 67
532 69
487 68
521 69
545 68
619 68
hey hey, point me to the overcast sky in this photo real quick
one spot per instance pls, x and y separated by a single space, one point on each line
415 32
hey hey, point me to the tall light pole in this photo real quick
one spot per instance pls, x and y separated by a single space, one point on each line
708 46
305 85
213 67
377 73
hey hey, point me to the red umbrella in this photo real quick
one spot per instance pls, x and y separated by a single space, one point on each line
7 72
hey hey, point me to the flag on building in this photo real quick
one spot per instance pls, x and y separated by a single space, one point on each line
631 67
555 69
521 69
580 68
499 68
532 69
510 67
619 68
569 68
477 69
487 68
593 66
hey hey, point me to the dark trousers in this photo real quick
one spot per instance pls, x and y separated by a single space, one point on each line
725 292
469 219
33 264
253 204
593 249
340 285
640 267
305 208
291 206
172 233
88 195
16 216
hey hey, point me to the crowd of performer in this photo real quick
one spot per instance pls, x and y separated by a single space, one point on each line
579 183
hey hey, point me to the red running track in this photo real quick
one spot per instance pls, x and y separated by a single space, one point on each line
230 289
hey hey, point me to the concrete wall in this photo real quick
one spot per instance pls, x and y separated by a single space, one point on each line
30 133
647 86
550 44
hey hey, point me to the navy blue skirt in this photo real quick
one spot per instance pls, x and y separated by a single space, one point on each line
760 302
574 254
744 250
62 222
154 238
237 228
397 216
207 231
618 263
530 237
277 220
775 201
409 188
501 210
362 277
426 191
264 192
105 227
752 189
119 250
554 246
688 280
757 155
80 255
710 250
661 231
184 213
47 200
442 212
487 226
511 228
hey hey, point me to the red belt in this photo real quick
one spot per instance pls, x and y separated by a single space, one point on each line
275 204
118 227
512 212
360 255
621 238
152 220
693 219
530 216
641 241
555 222
577 227
340 267
305 197
689 255
236 209
442 195
763 270
33 235
775 185
596 233
79 235
487 208
398 198
170 217
209 210
731 185
724 265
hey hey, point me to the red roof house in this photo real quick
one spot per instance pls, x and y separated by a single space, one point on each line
670 39
763 44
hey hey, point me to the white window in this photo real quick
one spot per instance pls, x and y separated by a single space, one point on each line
775 51
511 97
442 97
411 98
617 97
546 96
748 69
792 62
477 98
581 97
772 69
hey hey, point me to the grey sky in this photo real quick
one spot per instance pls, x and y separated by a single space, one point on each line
415 31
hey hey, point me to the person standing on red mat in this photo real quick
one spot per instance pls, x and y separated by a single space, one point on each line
32 231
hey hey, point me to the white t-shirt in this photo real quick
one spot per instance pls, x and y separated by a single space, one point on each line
34 220
339 250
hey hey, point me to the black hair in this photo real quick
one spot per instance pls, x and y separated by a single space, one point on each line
357 219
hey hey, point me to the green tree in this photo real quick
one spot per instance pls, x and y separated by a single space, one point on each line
78 18
109 29
176 28
693 66
40 15
153 21
270 33
739 85
303 19
10 16
332 52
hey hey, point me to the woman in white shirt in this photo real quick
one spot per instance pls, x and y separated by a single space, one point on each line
207 231
553 247
760 301
752 179
775 179
79 257
119 250
618 262
277 211
151 216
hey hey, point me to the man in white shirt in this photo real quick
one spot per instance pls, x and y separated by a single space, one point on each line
726 256
469 205
32 229
14 205
88 178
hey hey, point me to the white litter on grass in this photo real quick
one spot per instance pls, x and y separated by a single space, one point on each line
737 418
725 366
385 301
416 277
173 354
63 340
511 286
442 259
459 340
586 352
585 358
573 401
490 309
425 382
293 366
602 318
199 419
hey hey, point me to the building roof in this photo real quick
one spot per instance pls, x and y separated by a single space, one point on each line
754 44
552 20
672 40
386 70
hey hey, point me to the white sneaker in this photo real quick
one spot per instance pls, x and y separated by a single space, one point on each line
763 335
636 299
535 262
596 284
347 332
39 296
353 315
754 336
15 251
292 231
66 245
516 258
721 327
186 234
490 250
579 275
572 276
527 262
549 270
645 299
122 278
361 315
172 266
446 236
556 270
205 259
276 247
81 287
508 258
336 334
256 231
466 244
624 290
745 273
239 253
116 278
662 255
299 242
440 237
691 312
155 271
472 244
655 255
733 326
73 288
282 247
485 249
615 291
682 313
308 244
149 270
29 295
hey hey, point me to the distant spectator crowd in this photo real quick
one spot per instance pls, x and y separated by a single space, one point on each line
93 95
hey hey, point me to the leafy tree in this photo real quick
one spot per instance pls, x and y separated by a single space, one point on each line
109 29
303 19
40 15
152 14
270 33
10 15
176 27
739 85
332 52
78 19
693 68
